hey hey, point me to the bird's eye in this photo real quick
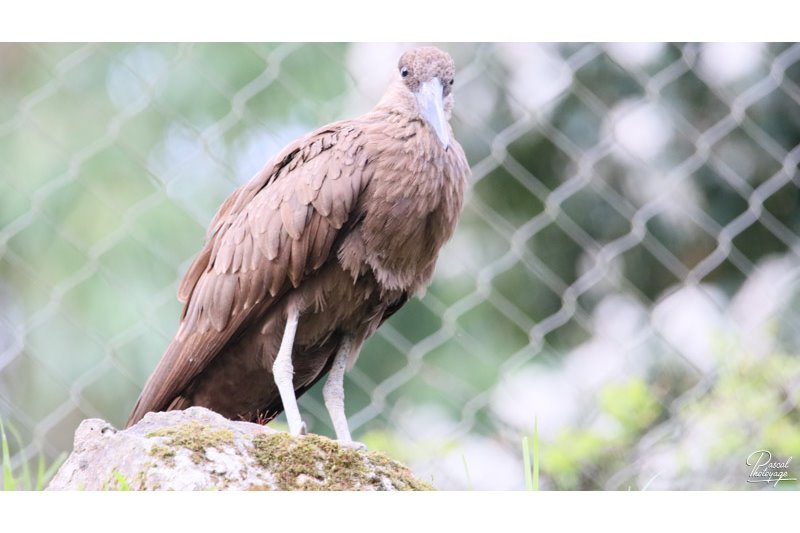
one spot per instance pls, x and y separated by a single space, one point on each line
452 80
404 72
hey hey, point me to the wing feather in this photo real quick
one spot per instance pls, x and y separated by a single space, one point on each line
266 238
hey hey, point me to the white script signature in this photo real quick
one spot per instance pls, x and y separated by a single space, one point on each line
765 470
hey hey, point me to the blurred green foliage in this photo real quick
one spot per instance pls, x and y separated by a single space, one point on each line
631 404
573 458
751 405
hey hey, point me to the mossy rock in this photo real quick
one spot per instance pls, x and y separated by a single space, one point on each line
313 462
197 449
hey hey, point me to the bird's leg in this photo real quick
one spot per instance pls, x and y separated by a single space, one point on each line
283 372
333 392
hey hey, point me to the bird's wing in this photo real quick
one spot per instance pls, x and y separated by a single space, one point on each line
267 236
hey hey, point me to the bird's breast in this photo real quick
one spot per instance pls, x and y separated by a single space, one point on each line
407 212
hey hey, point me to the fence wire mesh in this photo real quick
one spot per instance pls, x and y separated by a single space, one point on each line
625 274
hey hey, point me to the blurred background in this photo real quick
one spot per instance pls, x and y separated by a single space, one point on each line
625 275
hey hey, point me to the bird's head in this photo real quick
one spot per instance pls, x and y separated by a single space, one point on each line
426 77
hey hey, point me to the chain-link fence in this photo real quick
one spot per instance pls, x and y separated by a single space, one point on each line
625 274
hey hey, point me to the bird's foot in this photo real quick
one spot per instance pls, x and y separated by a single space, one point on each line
298 430
353 445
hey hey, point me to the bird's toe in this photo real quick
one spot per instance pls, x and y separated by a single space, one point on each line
358 446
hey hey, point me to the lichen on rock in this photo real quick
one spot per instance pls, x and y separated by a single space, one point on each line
197 449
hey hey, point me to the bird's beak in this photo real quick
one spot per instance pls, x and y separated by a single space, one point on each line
431 107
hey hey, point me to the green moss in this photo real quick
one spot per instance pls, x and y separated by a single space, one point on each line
165 453
193 436
140 480
317 463
297 463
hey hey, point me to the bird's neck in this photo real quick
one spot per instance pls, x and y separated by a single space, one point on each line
397 99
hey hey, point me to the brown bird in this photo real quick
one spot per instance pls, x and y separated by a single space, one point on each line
307 259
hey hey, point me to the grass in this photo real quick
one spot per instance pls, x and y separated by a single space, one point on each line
531 473
8 475
531 468
123 483
466 472
26 481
